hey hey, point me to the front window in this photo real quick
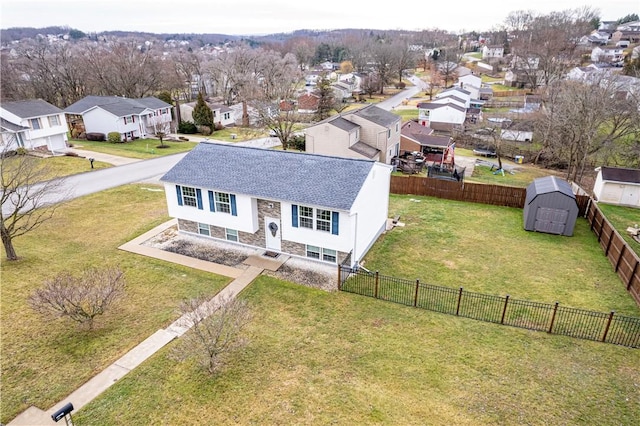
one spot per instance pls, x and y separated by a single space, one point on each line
189 196
35 124
227 115
313 252
223 202
128 120
320 253
323 220
232 235
306 217
203 229
54 120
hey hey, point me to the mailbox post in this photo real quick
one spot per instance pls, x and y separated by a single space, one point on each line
64 413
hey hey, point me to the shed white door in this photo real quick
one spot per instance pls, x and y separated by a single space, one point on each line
272 234
630 195
551 221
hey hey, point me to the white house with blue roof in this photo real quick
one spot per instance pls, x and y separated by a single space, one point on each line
132 118
326 208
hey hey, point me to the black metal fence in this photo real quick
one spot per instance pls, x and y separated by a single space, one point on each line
552 318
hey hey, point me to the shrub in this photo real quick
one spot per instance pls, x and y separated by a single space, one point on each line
75 133
114 137
187 128
95 136
205 130
218 126
297 142
21 151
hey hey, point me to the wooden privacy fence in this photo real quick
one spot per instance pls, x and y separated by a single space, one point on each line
498 195
625 262
551 318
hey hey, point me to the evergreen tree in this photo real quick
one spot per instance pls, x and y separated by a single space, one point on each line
202 114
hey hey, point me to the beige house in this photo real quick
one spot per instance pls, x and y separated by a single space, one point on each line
368 133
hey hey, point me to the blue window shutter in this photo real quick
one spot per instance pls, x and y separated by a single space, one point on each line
179 192
199 197
335 219
294 215
212 202
232 198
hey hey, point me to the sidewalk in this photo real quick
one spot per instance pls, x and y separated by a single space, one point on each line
105 158
136 356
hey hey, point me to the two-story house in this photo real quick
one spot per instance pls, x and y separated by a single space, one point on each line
222 114
370 133
32 124
492 52
132 118
329 209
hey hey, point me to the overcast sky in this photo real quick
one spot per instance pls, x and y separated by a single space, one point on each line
254 17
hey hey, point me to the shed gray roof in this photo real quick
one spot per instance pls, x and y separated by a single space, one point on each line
378 115
317 180
117 106
6 125
31 108
620 175
548 184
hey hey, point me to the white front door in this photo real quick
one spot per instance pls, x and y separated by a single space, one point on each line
272 233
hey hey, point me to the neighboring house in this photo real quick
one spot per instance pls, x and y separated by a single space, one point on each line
618 186
452 99
458 92
132 118
418 138
32 124
353 80
221 113
444 117
611 55
308 103
370 132
519 131
472 84
324 208
311 79
492 52
342 90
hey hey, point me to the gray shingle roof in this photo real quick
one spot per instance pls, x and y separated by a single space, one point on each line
378 115
31 108
312 179
364 149
7 125
117 106
343 124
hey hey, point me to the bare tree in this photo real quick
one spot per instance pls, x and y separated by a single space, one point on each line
546 46
383 55
215 331
582 121
80 298
27 189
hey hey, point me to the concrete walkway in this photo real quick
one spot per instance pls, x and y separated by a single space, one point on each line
105 158
136 356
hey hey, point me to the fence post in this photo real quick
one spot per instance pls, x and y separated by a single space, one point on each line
633 274
606 329
553 317
339 277
415 296
606 252
620 256
504 310
377 284
459 298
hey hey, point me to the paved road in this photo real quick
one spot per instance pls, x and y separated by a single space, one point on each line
98 180
394 101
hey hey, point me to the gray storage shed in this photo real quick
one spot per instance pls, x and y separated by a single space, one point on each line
550 206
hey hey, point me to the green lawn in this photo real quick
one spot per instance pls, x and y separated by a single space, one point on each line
139 148
336 358
622 218
520 177
485 249
44 360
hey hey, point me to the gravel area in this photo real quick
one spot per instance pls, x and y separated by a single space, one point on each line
301 271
